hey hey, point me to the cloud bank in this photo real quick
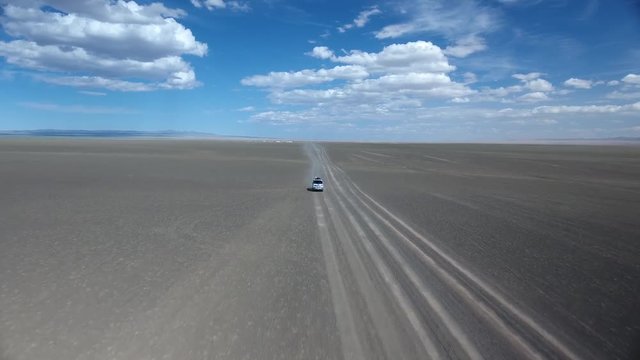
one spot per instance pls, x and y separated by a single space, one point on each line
115 45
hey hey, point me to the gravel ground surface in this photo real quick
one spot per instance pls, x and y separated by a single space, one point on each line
553 228
160 249
187 249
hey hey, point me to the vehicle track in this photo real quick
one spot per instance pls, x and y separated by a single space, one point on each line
406 277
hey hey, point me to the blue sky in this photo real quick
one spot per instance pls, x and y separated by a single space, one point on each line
430 70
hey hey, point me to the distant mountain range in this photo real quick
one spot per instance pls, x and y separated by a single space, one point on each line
203 135
110 133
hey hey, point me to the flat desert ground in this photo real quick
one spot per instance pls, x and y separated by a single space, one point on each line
202 249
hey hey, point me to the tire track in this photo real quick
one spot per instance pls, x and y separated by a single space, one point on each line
436 341
351 346
400 296
373 223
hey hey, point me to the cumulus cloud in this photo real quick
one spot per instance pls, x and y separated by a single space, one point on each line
406 84
628 88
429 84
99 43
579 83
321 52
632 79
306 77
373 84
461 21
362 19
107 11
413 58
534 87
418 56
541 85
534 82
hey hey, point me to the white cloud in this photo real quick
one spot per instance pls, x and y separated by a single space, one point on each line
540 85
418 56
404 118
92 93
106 11
306 77
427 84
180 80
321 52
470 78
451 19
99 82
527 77
407 86
284 117
28 54
466 46
622 95
538 90
395 81
221 4
561 111
397 30
411 66
613 83
533 82
631 79
112 41
585 109
498 94
579 83
362 19
534 97
210 4
143 38
247 109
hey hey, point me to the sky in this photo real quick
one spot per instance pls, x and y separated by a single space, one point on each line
421 70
